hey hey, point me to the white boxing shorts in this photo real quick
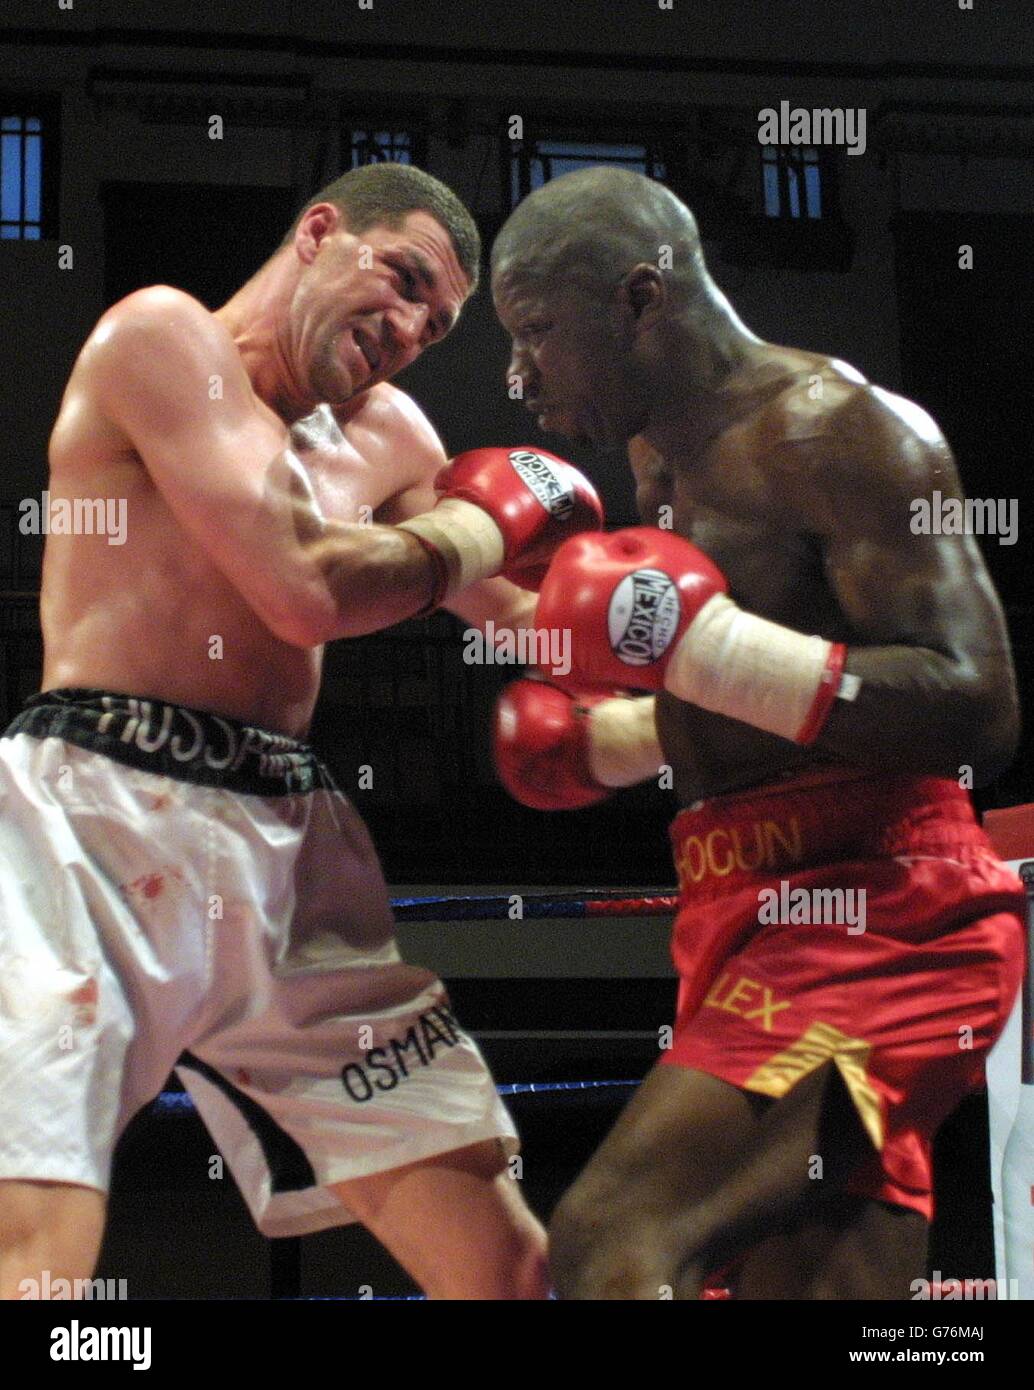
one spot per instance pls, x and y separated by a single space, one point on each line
181 890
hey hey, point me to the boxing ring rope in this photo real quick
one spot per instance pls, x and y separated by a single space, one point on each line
537 905
178 1103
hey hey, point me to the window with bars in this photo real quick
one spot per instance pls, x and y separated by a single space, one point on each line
791 182
369 146
21 178
535 162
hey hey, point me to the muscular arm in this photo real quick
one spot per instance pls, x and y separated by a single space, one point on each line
928 637
223 468
506 605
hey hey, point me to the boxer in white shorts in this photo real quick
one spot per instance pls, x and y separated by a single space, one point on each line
176 882
179 878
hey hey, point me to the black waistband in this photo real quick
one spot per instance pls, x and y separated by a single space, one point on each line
191 745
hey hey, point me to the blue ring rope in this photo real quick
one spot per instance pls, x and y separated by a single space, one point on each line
448 908
178 1103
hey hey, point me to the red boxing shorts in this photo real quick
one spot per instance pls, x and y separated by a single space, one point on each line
845 917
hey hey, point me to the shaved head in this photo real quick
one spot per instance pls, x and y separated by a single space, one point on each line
599 279
588 229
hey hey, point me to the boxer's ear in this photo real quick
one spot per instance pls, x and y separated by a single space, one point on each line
645 294
316 222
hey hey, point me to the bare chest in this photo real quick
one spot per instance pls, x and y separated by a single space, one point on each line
773 568
352 470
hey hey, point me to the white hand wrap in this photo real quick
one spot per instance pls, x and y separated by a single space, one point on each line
737 664
623 745
465 536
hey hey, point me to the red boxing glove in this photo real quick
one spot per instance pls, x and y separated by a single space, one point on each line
540 741
504 511
649 610
535 498
558 751
627 598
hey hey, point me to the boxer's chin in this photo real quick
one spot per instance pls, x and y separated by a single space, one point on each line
555 420
331 378
579 428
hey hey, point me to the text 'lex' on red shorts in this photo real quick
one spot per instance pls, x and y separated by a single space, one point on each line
905 992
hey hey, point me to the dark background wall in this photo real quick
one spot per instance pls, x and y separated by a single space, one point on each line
858 33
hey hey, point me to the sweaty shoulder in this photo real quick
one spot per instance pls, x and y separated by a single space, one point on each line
144 337
874 451
166 334
807 407
160 357
835 415
394 422
875 426
388 405
159 310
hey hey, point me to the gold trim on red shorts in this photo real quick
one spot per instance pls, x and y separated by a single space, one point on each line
820 1043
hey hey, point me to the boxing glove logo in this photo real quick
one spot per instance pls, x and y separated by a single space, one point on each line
543 479
643 617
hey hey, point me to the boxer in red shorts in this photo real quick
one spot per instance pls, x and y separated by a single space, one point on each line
826 682
763 1004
